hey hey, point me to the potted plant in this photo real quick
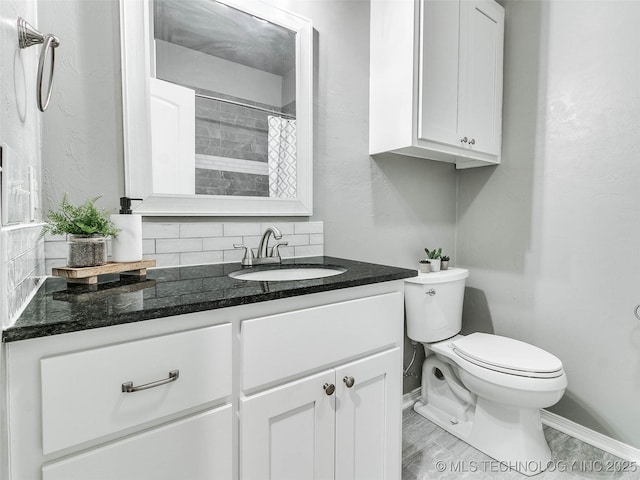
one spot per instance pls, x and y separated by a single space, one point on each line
444 262
86 228
424 266
434 257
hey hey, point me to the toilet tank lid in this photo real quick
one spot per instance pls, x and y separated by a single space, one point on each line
443 276
508 353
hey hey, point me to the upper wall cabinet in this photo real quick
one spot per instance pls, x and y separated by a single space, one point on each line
436 80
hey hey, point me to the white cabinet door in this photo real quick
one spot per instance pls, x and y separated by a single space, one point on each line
439 71
369 418
195 448
460 87
481 58
287 433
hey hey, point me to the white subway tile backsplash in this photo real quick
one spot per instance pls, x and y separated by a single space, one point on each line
253 241
23 258
241 229
169 245
309 250
199 242
316 239
287 252
55 238
309 227
160 230
57 249
197 258
200 229
220 243
296 240
50 264
285 228
164 259
232 255
148 246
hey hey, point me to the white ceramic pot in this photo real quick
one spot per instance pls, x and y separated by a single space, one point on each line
424 267
435 264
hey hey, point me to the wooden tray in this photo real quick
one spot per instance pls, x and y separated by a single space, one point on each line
89 275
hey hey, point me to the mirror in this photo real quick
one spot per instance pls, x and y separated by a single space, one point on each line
217 102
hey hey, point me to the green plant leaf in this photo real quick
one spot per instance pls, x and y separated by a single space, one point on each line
85 219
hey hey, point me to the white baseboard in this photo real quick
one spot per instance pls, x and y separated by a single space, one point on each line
598 440
408 399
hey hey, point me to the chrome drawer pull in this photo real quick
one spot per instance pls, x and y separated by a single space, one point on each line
129 388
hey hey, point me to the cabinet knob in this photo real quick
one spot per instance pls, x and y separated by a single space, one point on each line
472 141
464 140
349 381
329 388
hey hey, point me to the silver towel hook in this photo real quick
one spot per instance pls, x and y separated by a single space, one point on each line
29 36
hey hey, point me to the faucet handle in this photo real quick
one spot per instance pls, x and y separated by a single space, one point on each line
275 251
247 259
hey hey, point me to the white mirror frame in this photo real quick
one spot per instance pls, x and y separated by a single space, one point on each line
136 71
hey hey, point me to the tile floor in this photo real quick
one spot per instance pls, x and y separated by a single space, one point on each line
430 453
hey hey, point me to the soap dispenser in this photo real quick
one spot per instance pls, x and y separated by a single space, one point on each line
127 246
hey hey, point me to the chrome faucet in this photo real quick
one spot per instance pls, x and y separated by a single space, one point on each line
263 254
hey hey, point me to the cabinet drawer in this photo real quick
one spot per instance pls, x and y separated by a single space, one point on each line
196 448
284 345
82 397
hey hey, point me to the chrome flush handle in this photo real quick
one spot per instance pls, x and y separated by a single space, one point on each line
430 292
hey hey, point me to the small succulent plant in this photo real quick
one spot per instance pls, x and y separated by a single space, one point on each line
445 258
433 254
424 261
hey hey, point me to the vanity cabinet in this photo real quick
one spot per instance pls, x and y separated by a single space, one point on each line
342 422
436 80
303 387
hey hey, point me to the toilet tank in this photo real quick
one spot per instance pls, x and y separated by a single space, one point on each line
433 304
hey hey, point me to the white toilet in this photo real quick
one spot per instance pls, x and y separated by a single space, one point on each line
485 389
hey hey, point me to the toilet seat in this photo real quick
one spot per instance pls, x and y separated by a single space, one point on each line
506 355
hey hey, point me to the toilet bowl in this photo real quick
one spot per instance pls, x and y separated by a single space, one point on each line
486 389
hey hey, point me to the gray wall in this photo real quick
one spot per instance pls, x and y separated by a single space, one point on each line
82 130
551 236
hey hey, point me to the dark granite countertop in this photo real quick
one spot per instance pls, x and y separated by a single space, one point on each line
57 308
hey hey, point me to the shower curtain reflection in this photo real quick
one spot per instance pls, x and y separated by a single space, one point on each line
282 157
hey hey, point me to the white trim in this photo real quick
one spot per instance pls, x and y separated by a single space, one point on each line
408 399
135 69
596 439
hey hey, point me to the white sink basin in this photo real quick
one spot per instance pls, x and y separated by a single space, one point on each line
287 274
